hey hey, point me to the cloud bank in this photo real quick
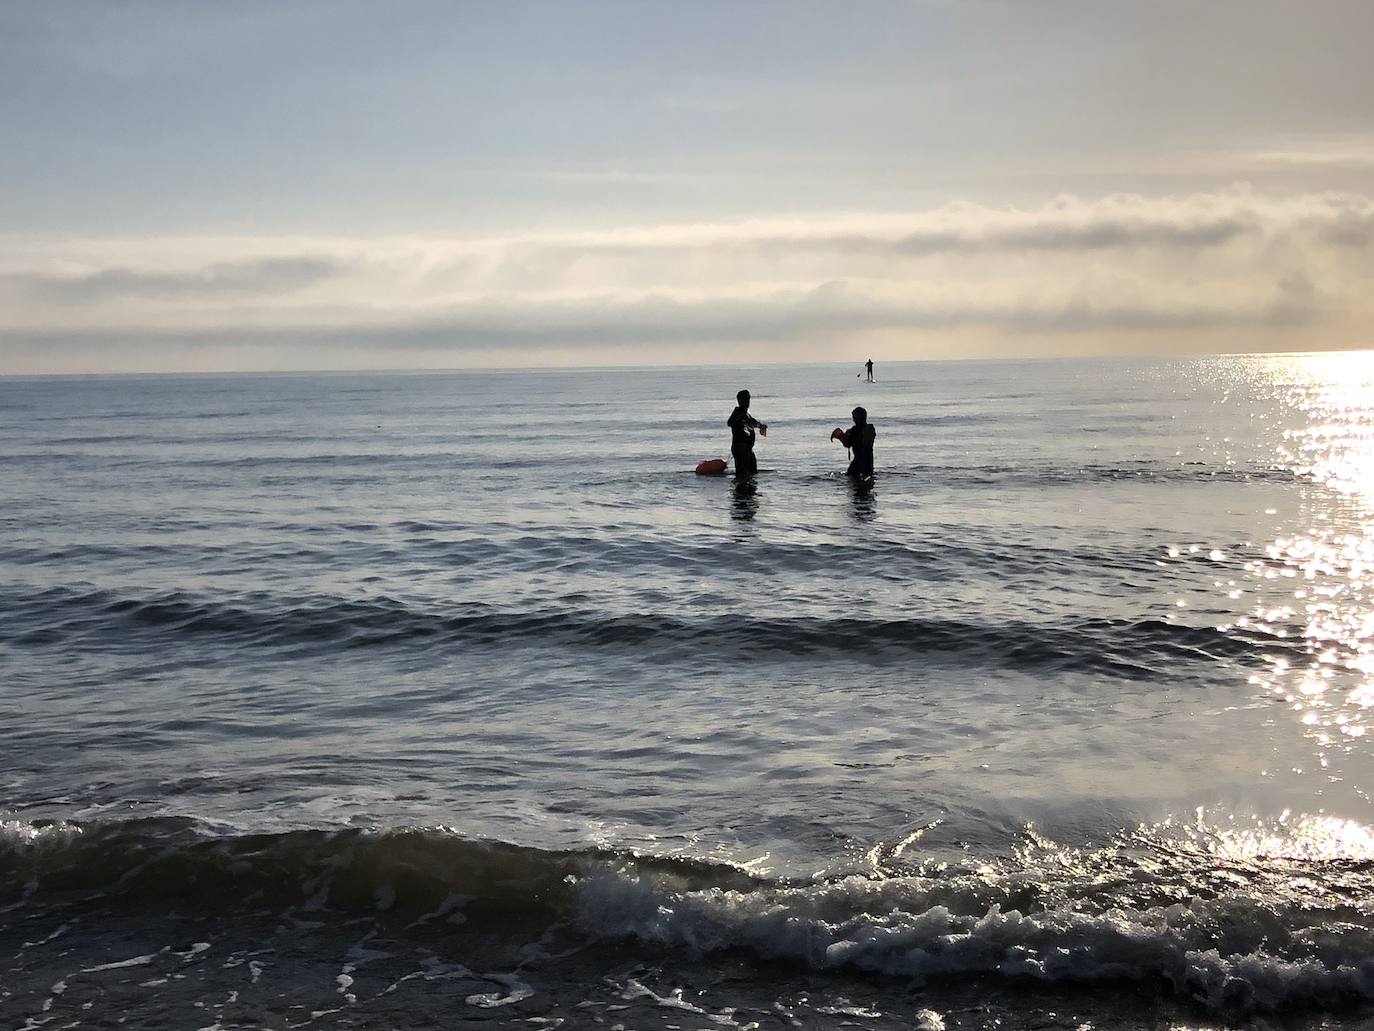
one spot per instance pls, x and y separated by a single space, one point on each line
1231 270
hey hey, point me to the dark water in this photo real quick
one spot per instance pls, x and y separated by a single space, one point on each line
435 700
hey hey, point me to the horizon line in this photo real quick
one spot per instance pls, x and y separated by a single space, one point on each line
512 370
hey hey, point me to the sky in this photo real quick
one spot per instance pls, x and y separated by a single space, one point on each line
187 186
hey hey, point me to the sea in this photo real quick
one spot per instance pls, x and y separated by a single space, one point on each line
457 699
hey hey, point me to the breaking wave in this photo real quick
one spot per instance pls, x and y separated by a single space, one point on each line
1235 934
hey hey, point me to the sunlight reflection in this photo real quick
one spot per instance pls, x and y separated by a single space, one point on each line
1336 391
1319 584
1307 837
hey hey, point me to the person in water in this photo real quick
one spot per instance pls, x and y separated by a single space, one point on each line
869 366
742 426
859 439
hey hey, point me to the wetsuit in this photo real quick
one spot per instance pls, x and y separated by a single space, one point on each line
859 438
742 442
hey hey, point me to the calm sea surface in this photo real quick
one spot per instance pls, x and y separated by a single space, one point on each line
444 699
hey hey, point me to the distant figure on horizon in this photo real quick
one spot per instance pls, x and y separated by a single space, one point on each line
859 439
742 426
869 366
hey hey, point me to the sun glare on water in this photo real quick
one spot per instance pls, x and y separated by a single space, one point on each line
1336 446
1307 837
1315 587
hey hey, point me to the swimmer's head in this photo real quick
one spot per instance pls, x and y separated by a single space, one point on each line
743 398
860 416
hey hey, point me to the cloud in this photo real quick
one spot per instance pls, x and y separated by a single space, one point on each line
1356 155
1118 221
266 276
1165 274
830 310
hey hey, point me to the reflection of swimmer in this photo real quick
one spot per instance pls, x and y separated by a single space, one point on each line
865 504
746 500
859 439
742 426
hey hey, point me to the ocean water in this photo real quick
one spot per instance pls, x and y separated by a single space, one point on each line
438 700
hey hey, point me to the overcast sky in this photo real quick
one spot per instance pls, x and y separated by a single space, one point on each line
308 185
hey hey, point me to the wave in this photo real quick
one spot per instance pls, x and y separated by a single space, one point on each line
100 619
1233 935
932 558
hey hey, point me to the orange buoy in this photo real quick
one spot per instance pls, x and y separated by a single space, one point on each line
711 467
